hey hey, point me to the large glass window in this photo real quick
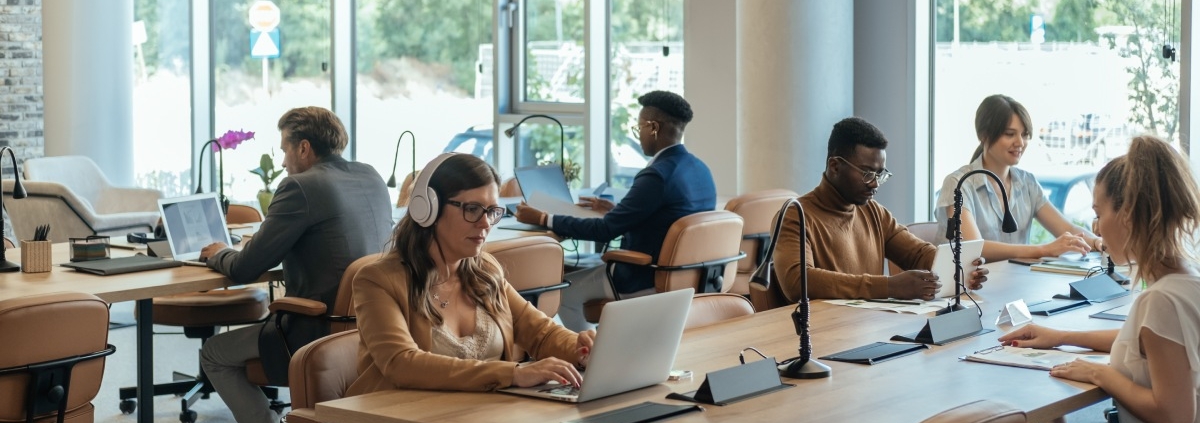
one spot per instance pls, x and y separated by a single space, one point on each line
425 67
162 96
251 94
646 48
1090 73
554 53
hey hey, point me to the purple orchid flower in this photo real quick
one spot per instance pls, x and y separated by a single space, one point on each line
231 139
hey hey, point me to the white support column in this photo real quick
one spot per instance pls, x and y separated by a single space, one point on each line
710 81
795 80
88 82
343 70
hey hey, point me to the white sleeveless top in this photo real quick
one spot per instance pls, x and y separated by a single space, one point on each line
1171 308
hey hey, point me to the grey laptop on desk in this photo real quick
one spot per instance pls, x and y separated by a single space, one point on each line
192 223
548 179
635 347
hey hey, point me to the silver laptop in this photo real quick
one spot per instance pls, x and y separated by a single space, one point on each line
548 179
192 223
635 347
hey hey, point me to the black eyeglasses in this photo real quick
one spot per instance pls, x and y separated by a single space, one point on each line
472 212
879 177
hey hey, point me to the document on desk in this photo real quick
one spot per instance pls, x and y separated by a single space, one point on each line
549 204
1030 358
897 306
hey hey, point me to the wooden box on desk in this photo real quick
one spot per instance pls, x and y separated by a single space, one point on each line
35 256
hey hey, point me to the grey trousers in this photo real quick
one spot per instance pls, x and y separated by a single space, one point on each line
587 284
223 358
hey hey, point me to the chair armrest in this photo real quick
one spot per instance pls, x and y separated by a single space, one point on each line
302 306
626 256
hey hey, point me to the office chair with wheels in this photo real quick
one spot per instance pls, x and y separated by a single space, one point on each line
695 254
55 369
757 210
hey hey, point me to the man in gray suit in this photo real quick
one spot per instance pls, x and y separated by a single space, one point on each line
327 213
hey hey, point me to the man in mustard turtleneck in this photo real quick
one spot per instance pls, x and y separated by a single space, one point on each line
849 234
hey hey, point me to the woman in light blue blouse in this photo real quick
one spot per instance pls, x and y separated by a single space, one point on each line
1003 127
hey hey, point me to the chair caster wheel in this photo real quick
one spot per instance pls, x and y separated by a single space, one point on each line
128 406
187 417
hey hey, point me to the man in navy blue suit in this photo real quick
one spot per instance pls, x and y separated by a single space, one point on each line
673 185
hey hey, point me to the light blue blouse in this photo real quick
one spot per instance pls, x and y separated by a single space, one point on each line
986 207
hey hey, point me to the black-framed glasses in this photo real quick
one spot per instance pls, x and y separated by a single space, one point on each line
879 177
472 212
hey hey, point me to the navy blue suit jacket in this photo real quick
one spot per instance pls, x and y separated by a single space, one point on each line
675 185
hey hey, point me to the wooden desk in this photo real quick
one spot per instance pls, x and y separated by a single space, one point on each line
907 389
138 286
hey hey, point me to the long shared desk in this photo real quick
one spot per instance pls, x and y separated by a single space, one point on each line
907 389
141 287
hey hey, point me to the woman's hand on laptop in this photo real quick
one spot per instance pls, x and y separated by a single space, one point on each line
546 370
211 249
586 339
596 203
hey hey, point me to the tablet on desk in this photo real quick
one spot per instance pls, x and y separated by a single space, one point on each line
943 265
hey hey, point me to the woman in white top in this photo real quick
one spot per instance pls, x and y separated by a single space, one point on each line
1147 210
1003 127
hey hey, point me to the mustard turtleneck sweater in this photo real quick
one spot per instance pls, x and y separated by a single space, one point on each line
845 247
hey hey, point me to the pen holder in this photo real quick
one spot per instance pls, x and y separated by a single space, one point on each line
35 256
94 247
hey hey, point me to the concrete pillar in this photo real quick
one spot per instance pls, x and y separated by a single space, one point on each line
88 82
710 85
795 80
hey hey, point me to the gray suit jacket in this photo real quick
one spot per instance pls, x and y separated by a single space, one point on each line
319 222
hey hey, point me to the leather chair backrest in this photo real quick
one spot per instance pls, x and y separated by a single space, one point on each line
772 297
708 309
406 188
238 214
756 209
532 262
343 304
323 369
510 188
696 238
48 327
927 231
982 411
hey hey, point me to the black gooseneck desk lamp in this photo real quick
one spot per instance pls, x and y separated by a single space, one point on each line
802 367
391 183
954 234
562 138
18 193
219 153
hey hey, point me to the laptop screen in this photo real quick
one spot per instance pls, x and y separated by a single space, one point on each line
548 179
192 223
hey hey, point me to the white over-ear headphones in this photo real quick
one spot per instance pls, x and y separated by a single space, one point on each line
423 205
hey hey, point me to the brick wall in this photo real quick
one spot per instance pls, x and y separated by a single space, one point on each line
21 78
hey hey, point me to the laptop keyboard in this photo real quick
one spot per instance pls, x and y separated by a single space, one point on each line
565 390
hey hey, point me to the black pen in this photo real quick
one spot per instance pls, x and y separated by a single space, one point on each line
893 302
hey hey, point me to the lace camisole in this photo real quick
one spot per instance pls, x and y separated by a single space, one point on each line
485 344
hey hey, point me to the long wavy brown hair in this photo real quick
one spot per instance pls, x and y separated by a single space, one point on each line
1153 191
480 275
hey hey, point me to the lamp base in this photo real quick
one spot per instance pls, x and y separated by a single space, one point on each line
8 266
1119 278
953 307
811 369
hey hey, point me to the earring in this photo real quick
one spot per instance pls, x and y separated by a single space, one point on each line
655 134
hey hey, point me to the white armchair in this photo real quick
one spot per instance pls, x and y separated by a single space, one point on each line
76 199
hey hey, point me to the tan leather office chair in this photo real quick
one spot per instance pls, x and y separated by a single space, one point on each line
534 267
757 210
772 297
982 411
712 308
52 338
510 188
696 253
322 371
240 214
406 188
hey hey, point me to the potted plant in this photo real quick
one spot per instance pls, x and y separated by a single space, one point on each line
267 172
